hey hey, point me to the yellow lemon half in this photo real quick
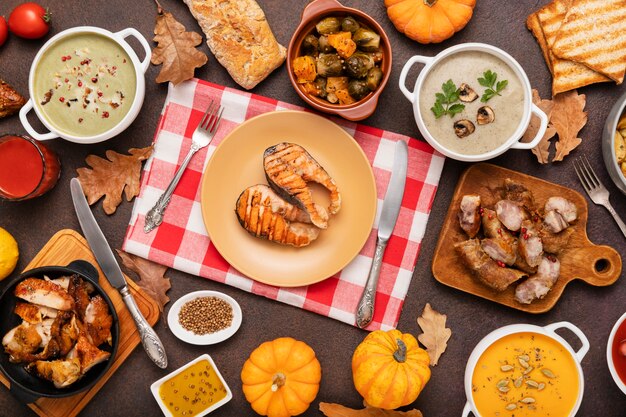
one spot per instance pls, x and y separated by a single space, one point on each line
9 253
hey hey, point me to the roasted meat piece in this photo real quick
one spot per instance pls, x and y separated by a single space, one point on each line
88 355
263 214
469 216
288 168
516 192
98 321
554 242
485 268
511 214
538 285
33 313
564 207
499 250
530 246
45 293
554 222
21 341
10 100
61 372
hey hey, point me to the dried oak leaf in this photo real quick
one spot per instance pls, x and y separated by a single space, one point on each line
151 277
542 150
338 410
176 49
110 177
568 118
436 335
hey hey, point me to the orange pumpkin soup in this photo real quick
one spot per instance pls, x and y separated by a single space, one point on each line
525 375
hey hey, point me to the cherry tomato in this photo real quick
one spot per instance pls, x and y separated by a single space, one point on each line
4 32
29 20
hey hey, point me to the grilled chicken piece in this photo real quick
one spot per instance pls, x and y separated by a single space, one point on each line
10 100
63 282
288 168
88 355
554 242
68 334
554 222
493 227
564 207
21 341
45 293
61 372
34 313
538 285
262 213
77 290
516 192
511 214
530 246
499 250
485 268
98 321
469 216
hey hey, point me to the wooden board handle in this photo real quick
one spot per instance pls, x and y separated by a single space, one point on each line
599 265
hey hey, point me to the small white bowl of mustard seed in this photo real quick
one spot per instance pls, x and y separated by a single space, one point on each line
204 317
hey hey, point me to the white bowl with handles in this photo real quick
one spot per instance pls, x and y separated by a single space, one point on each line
548 331
512 142
140 68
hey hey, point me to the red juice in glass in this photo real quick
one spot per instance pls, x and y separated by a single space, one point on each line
27 168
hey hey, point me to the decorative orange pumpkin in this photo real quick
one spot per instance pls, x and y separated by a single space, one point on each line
281 377
389 369
430 21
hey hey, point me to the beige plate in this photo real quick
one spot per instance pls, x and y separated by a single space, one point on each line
237 163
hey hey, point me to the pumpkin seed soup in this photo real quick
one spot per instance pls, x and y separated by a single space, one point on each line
525 375
84 84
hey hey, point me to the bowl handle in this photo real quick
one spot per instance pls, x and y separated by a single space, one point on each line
317 6
85 268
542 130
405 71
565 324
466 410
31 131
135 33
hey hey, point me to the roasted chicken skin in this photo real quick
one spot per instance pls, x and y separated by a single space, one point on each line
61 372
45 293
538 285
469 214
263 214
288 168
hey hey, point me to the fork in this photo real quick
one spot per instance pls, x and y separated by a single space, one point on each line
597 192
202 136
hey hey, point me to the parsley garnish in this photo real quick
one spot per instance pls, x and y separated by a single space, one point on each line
489 80
443 104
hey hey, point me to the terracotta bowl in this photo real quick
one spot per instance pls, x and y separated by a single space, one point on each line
313 13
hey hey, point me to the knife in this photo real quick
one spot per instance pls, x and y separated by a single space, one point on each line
104 255
388 218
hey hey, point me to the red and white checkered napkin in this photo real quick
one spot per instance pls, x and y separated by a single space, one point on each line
181 241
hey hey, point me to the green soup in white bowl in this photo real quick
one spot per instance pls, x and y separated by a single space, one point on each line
86 85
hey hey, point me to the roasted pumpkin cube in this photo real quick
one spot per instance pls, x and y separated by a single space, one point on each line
344 97
334 84
621 124
343 43
305 69
620 148
311 89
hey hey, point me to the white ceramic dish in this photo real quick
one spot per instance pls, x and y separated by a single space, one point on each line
609 355
207 339
549 331
154 388
140 69
529 108
608 147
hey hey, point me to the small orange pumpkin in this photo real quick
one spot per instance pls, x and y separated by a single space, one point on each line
281 377
430 21
389 369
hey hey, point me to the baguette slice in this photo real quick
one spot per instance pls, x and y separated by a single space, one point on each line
593 33
567 75
240 37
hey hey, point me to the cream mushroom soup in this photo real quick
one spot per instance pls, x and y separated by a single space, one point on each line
489 128
84 84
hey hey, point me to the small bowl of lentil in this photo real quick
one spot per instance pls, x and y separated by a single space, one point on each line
204 317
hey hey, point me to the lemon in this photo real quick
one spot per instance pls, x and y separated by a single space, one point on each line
8 253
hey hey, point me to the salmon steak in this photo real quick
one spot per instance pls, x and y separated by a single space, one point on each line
265 215
288 168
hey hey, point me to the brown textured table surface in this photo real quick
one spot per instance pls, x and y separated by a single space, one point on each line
501 23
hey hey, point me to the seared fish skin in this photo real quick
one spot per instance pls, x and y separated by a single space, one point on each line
264 214
288 168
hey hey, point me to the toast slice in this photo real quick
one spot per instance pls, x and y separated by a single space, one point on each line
593 33
566 75
533 24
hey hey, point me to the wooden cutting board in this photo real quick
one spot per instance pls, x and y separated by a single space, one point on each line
596 265
64 247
